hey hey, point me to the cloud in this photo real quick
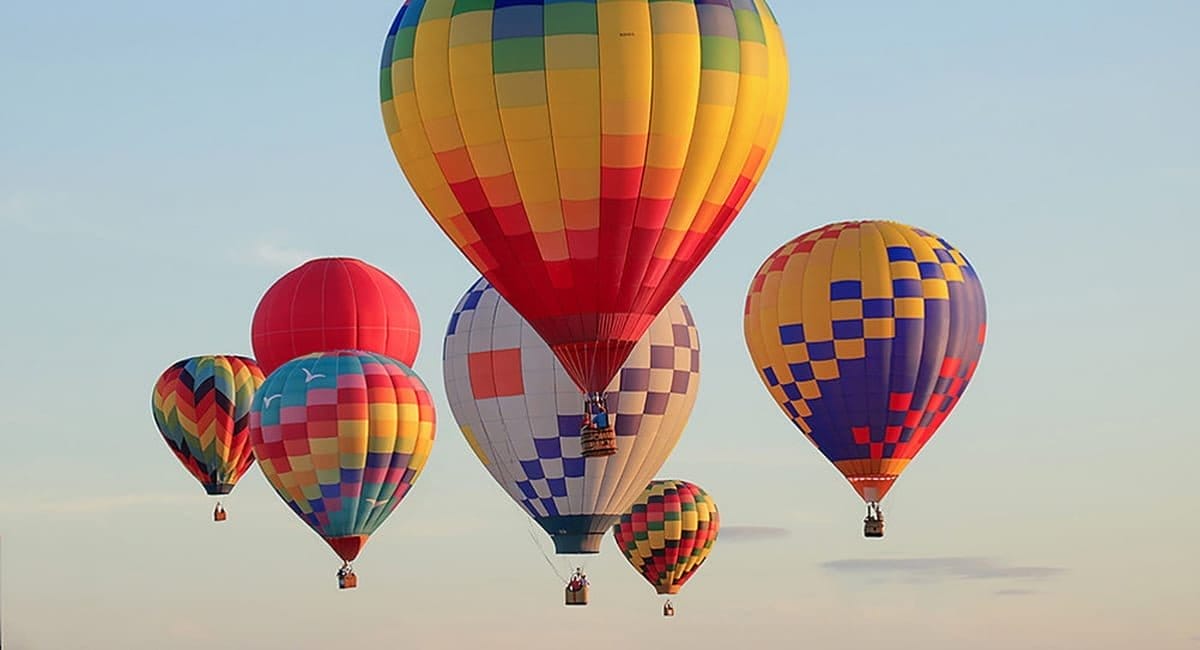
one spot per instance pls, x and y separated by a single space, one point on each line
942 568
21 211
91 505
270 254
1015 592
752 533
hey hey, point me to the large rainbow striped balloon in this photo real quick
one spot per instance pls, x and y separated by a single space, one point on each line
584 156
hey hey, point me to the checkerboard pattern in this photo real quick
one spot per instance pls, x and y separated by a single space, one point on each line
521 413
201 406
668 533
584 155
866 333
342 436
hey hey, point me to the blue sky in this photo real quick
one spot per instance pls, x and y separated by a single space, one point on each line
161 166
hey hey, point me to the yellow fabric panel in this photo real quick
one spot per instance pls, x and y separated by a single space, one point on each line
876 275
625 67
714 117
879 328
790 306
845 261
323 446
850 349
378 410
952 271
301 463
385 436
415 157
817 324
825 369
910 307
573 90
426 434
474 444
432 83
775 108
846 309
751 98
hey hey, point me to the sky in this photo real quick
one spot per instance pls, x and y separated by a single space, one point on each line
162 164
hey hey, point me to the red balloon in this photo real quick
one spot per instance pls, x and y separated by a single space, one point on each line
334 303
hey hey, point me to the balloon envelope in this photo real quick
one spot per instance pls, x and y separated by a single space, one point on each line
668 533
342 436
584 156
866 333
334 303
519 412
201 406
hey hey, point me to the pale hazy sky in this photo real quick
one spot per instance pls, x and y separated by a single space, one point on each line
162 164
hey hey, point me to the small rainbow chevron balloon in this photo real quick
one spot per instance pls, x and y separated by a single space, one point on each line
201 406
342 436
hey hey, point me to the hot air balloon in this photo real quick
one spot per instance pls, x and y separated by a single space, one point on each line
202 406
866 333
334 303
516 407
668 534
342 436
584 156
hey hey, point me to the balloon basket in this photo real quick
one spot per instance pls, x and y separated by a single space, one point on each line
346 577
873 524
577 597
598 442
668 610
219 513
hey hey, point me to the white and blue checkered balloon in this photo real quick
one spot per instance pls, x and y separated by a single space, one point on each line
521 413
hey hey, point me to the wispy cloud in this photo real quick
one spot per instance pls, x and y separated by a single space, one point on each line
91 505
20 210
1015 592
752 533
12 209
274 255
942 568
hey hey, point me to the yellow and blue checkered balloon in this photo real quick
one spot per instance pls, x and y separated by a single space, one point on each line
866 333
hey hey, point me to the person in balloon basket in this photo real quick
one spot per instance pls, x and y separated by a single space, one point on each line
578 580
595 416
598 421
346 577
